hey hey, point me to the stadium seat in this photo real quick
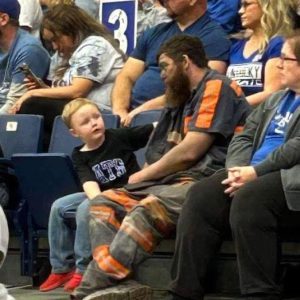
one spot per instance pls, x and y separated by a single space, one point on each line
61 139
43 178
20 134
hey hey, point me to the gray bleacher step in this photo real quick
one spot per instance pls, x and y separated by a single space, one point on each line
10 270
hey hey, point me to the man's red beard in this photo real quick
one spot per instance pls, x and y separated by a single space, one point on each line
178 89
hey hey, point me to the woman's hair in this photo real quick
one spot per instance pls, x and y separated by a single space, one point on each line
73 106
294 42
73 21
276 19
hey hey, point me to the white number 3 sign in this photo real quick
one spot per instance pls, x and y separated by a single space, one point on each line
120 17
119 34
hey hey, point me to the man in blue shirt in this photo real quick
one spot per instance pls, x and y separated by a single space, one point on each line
16 48
139 80
225 13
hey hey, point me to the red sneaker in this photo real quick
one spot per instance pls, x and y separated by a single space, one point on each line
55 280
72 284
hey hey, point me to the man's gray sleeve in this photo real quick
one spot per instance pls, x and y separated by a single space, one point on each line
15 92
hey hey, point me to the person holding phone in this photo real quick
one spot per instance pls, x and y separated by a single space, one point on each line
17 47
87 62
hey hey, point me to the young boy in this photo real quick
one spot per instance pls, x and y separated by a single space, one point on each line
105 160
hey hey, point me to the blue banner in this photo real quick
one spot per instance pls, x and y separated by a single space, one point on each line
120 16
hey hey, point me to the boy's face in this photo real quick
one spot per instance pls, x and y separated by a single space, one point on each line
87 124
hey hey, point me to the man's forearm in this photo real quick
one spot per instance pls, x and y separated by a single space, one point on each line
121 95
15 92
179 158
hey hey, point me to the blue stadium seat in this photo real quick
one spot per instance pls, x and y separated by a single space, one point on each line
61 139
20 134
144 118
43 178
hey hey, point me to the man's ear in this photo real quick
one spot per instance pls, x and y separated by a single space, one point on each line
73 132
186 62
4 19
193 2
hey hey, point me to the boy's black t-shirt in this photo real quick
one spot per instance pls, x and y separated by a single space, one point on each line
114 161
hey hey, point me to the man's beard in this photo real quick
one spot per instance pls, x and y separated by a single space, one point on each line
178 89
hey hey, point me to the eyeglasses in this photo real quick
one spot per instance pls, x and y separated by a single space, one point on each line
283 57
246 4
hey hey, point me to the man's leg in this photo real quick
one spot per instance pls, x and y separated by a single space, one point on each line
203 220
147 221
256 210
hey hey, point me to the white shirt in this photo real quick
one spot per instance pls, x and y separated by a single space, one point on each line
31 15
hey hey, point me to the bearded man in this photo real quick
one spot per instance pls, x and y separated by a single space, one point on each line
189 143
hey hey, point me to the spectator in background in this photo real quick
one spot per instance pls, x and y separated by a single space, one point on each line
150 13
225 13
253 58
31 16
90 6
55 60
17 47
90 62
139 81
295 12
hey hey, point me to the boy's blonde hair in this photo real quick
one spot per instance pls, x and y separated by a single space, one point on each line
72 107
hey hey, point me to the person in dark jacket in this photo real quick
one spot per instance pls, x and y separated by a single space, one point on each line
256 194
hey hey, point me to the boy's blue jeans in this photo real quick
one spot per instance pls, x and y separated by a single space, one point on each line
69 248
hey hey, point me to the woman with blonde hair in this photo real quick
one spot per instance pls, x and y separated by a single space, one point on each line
253 58
90 59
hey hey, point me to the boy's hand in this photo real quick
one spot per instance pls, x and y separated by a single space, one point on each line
136 177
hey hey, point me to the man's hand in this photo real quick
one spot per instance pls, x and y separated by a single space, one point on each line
123 116
17 106
127 121
238 176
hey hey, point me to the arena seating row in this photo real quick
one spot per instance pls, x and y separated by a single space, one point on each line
42 181
43 177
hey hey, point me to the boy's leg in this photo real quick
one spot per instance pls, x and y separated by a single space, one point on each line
82 246
146 223
60 235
